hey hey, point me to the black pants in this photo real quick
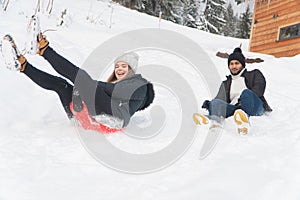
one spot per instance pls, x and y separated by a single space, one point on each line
91 92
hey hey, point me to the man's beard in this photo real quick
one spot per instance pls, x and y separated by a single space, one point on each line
234 74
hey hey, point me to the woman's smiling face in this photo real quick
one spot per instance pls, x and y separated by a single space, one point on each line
121 70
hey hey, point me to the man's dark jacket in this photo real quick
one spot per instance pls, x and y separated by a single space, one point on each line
254 80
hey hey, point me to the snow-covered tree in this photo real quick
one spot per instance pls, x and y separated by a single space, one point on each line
193 14
244 27
203 24
172 10
147 6
239 1
214 14
207 15
129 3
243 1
229 28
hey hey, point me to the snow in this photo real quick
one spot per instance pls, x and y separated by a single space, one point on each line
42 155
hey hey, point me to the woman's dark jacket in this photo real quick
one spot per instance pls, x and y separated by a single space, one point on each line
129 95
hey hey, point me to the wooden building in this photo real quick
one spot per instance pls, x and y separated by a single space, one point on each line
276 28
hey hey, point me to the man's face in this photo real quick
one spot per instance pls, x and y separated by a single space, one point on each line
235 67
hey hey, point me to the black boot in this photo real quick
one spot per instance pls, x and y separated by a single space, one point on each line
76 99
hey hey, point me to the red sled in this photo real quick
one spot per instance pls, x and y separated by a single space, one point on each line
89 123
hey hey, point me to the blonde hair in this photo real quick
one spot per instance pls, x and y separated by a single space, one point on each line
112 78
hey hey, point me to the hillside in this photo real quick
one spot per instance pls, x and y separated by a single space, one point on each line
42 156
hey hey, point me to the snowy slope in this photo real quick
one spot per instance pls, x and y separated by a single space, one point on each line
42 157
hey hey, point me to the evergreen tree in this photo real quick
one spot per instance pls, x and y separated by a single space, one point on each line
172 10
239 1
244 27
229 28
214 14
236 22
208 15
242 1
203 24
191 14
150 7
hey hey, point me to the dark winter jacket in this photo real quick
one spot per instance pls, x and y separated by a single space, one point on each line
254 80
128 96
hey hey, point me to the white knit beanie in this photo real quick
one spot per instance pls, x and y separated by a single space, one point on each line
130 58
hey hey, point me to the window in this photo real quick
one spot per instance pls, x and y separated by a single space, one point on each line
289 32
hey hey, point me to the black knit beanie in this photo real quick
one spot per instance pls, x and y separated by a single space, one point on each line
237 55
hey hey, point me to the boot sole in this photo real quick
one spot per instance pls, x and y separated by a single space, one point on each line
10 53
200 119
242 121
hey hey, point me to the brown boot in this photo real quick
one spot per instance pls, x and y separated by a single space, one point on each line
23 62
43 44
12 56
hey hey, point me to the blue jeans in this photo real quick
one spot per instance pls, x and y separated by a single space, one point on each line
249 102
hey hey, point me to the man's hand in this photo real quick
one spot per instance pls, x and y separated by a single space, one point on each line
206 104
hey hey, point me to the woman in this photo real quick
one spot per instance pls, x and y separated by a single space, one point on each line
111 103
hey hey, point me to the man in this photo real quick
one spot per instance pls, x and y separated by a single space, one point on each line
241 95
